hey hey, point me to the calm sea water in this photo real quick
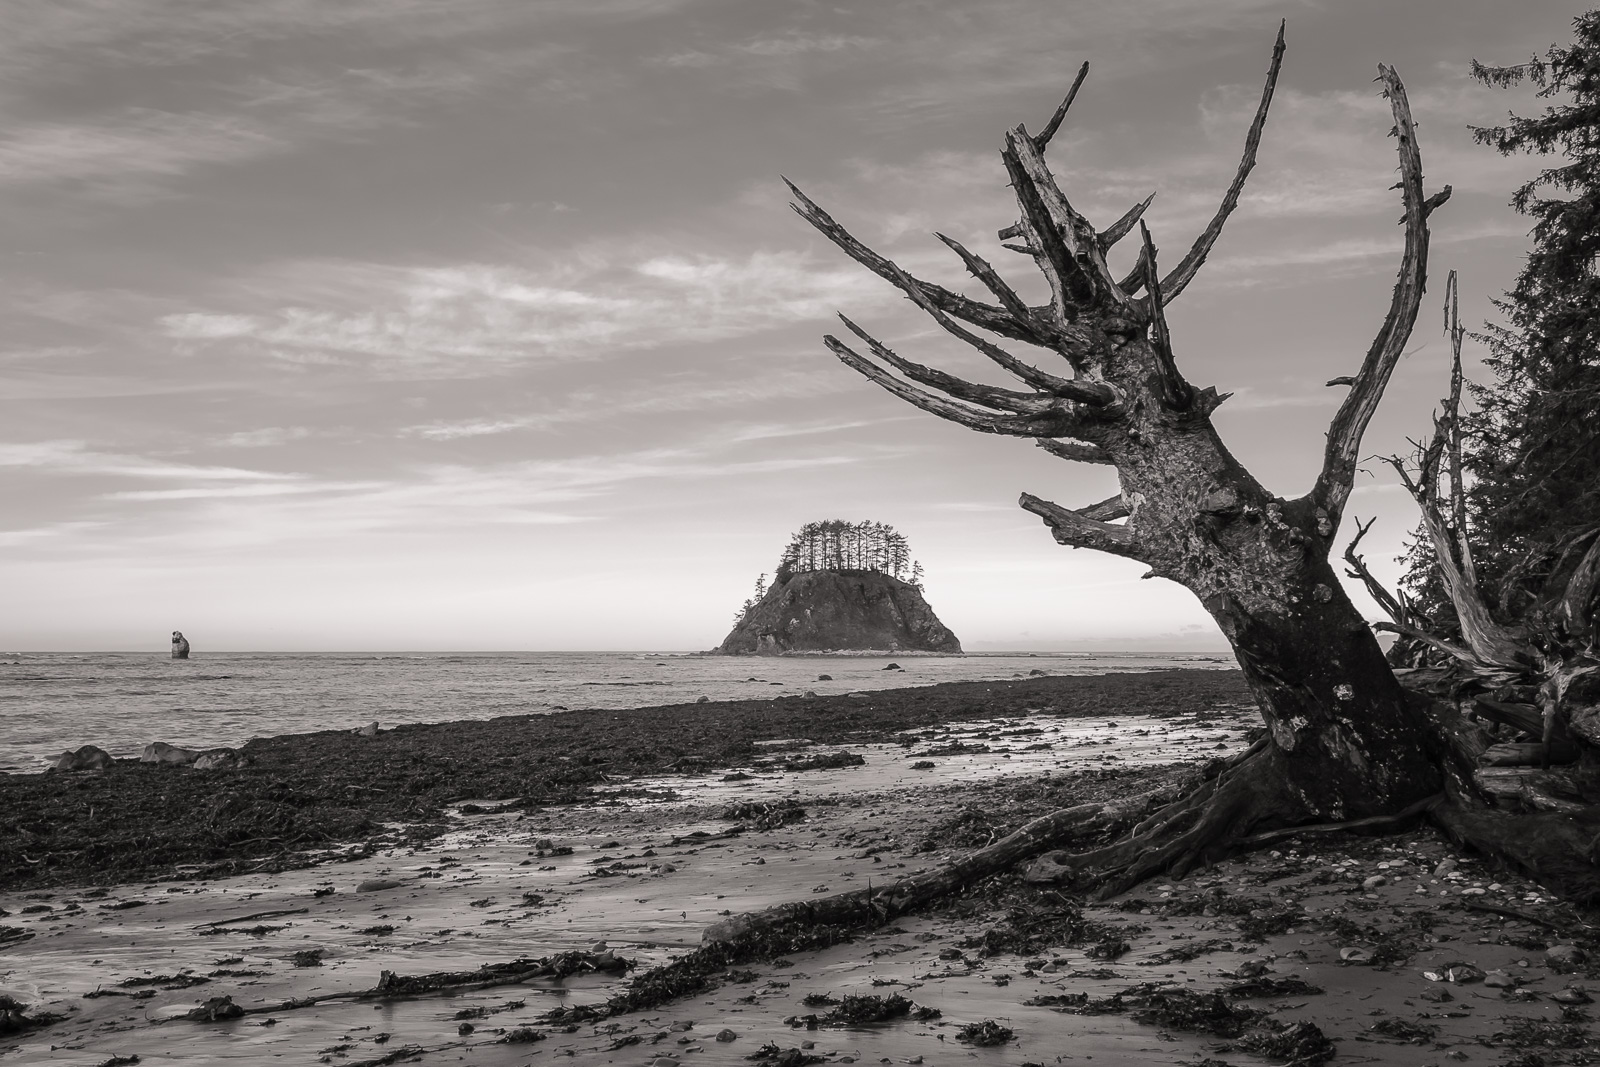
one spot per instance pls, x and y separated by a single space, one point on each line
122 701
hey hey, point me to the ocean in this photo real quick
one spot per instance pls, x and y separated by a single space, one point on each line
121 701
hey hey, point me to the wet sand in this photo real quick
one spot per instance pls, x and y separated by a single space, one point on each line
654 861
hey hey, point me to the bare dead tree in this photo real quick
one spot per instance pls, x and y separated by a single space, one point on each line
1345 742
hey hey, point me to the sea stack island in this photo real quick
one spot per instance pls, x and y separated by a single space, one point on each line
841 587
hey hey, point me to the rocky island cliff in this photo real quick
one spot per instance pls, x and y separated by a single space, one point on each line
840 588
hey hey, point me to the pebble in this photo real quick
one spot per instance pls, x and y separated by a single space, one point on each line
1374 882
1571 995
726 1036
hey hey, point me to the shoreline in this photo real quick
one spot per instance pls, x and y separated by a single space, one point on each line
315 791
1388 950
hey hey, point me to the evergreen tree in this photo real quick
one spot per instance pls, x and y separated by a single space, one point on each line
1533 444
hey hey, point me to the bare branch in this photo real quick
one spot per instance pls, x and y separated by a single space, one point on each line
1185 271
1175 392
1072 246
1112 507
1453 650
1452 419
1070 528
1094 393
1123 226
1061 112
1344 434
1358 569
1053 424
988 395
981 270
1076 451
987 316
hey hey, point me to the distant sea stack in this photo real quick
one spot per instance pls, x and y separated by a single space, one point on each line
841 587
180 645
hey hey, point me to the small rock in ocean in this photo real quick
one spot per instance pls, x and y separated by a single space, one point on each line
824 677
894 667
1036 673
87 758
465 1028
217 759
180 645
811 692
374 885
703 700
161 752
369 730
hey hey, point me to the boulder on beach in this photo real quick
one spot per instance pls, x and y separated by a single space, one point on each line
87 758
369 730
161 752
180 645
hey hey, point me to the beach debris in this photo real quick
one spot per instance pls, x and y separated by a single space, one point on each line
161 752
923 765
369 730
218 759
1560 957
1458 974
308 957
1572 995
119 1061
377 885
772 1054
85 758
523 1035
14 1017
765 815
985 1034
1355 955
1402 1030
215 1009
825 761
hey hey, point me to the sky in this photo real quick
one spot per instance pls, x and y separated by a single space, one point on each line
485 324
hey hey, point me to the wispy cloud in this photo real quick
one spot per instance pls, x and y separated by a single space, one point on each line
480 318
76 457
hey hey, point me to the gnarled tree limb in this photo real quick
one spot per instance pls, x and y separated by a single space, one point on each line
1333 485
1068 527
1053 423
997 320
1189 266
1054 124
1076 451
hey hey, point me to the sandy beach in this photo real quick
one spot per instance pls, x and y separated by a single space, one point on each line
1388 949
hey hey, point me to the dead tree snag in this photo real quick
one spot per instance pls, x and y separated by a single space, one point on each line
1102 385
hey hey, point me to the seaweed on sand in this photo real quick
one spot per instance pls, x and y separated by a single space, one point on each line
305 794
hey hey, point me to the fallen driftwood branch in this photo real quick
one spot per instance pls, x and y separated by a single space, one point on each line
393 986
257 915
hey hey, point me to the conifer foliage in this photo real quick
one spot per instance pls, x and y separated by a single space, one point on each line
1533 443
